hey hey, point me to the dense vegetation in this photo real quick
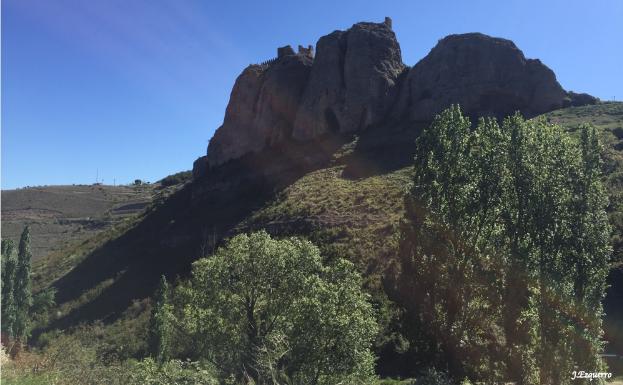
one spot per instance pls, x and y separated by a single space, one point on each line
272 311
260 311
475 293
505 250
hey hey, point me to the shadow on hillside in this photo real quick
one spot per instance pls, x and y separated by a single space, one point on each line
166 241
383 149
173 234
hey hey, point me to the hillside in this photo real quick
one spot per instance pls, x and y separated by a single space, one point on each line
354 214
351 206
64 215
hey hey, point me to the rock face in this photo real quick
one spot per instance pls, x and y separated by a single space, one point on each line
262 107
357 80
485 75
350 81
200 166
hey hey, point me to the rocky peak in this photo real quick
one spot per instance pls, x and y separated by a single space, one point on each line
262 106
356 79
350 81
343 88
485 75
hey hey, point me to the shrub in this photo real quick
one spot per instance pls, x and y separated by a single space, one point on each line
174 372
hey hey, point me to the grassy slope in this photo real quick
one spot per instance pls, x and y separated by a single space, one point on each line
346 215
355 218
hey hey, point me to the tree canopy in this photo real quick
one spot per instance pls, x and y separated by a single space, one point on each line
23 290
267 309
505 250
9 265
160 323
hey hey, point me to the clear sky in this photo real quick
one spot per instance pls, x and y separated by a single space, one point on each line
135 88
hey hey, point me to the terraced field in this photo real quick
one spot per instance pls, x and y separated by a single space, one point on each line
62 215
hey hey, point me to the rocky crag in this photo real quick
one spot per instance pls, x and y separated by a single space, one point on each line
357 80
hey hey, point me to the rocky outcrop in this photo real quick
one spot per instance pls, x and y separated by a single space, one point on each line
350 81
262 107
485 75
357 80
200 166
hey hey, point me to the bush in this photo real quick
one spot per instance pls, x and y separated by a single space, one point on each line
69 361
434 377
174 372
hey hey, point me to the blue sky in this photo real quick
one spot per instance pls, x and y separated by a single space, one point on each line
136 88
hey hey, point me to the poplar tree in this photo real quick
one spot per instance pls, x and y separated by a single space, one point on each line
22 291
504 251
160 323
9 265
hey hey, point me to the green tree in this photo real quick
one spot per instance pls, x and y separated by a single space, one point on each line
558 233
504 250
9 266
22 291
160 323
448 281
269 309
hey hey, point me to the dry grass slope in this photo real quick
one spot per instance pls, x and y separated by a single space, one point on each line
63 215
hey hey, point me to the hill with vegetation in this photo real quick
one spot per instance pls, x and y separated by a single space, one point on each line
309 199
351 207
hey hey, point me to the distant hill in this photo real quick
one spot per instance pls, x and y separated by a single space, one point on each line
63 215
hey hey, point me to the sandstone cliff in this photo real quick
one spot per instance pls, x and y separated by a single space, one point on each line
486 76
262 107
357 80
351 77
